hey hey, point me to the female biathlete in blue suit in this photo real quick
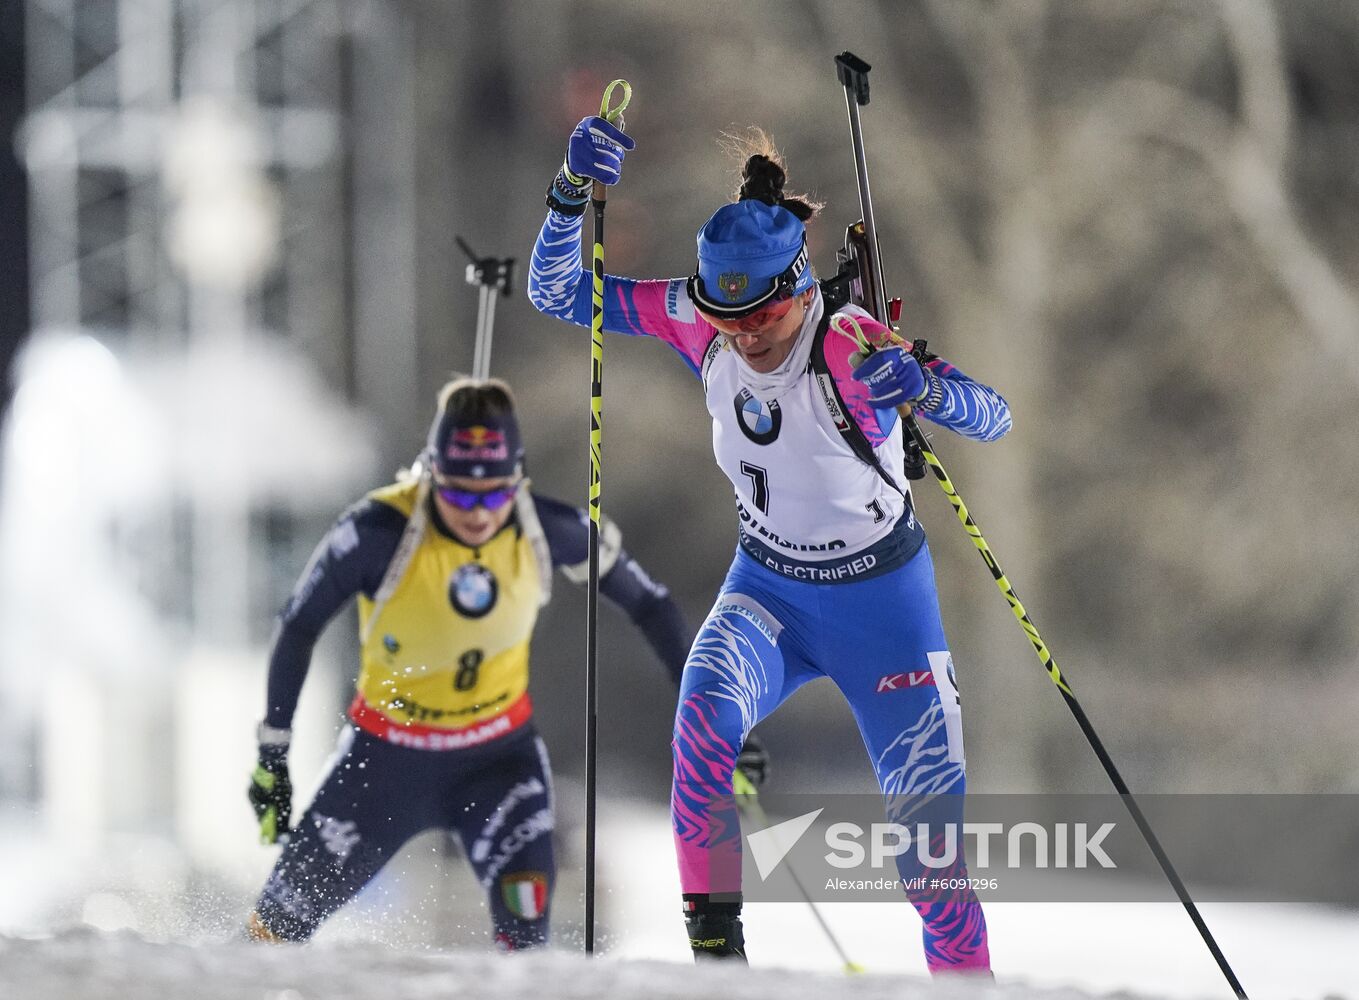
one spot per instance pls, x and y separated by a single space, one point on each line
832 576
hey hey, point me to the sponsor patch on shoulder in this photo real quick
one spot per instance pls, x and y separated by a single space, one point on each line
677 304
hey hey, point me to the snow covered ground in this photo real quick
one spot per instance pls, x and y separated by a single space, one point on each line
380 947
92 966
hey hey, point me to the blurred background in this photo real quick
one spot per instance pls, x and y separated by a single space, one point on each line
229 289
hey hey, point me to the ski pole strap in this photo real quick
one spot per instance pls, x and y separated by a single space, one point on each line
614 116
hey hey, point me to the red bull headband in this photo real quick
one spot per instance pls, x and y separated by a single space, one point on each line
487 449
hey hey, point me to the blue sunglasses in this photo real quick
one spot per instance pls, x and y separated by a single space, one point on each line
471 499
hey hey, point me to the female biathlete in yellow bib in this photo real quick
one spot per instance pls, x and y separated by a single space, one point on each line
450 568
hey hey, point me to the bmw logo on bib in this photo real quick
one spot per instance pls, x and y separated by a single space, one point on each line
760 421
472 590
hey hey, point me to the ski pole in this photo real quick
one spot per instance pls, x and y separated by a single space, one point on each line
491 275
853 74
614 116
748 801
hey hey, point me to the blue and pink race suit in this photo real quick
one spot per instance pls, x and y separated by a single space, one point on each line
832 576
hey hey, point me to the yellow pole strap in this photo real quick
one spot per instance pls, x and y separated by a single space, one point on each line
615 115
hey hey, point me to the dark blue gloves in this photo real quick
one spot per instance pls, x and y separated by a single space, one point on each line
595 153
271 791
894 377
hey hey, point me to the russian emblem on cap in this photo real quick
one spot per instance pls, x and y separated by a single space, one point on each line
733 285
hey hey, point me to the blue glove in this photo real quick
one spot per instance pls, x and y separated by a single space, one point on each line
595 153
893 376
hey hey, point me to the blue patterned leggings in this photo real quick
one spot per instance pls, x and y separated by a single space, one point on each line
882 643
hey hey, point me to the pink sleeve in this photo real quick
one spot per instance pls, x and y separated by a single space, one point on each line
659 309
840 345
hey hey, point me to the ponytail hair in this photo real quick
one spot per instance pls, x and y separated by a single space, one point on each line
763 174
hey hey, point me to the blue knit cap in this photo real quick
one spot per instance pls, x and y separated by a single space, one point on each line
749 254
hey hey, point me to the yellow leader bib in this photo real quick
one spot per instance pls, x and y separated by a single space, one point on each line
445 660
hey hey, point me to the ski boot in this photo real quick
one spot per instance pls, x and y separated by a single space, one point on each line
714 925
256 930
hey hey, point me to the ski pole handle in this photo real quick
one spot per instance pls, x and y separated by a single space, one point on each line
614 116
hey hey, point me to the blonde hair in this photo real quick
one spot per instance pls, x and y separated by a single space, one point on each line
470 398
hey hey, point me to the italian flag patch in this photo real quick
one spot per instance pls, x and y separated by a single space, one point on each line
525 894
